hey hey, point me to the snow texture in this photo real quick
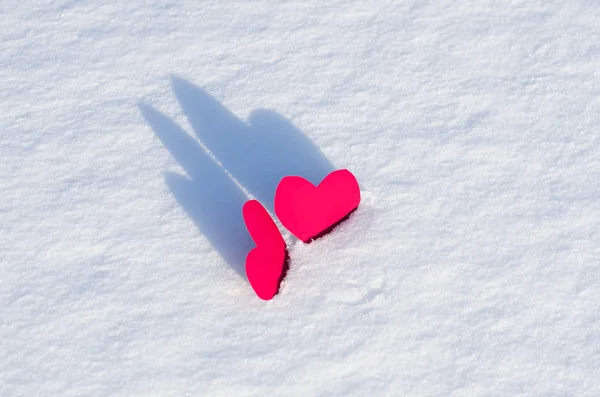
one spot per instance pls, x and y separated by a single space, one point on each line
132 132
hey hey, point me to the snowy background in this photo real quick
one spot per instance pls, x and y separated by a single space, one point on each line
471 268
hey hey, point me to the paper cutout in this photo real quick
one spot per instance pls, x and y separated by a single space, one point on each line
310 211
266 264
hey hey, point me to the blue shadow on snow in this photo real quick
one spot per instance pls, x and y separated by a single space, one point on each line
258 154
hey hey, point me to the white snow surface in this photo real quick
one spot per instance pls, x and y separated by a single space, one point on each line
132 132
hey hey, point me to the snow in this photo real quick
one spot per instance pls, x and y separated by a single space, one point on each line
132 132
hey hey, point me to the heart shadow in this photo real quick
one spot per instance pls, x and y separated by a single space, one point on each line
230 153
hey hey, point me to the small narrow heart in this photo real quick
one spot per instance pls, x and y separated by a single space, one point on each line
267 263
310 211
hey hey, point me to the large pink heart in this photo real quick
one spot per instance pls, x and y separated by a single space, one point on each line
267 263
310 211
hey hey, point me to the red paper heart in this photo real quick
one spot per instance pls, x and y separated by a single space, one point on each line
310 211
267 263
